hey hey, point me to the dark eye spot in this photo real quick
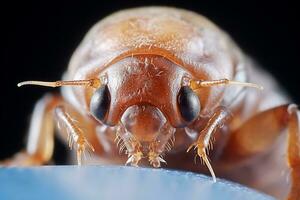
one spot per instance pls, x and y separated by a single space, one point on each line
188 103
100 103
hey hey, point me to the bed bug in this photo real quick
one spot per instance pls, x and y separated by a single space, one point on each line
147 85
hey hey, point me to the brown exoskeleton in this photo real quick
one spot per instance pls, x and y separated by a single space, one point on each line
162 81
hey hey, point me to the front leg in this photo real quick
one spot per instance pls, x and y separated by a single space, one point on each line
40 143
203 142
75 134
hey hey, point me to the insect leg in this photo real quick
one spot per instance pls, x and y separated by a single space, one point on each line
259 134
75 134
203 142
294 151
40 143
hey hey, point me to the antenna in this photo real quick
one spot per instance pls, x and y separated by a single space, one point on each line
89 83
196 84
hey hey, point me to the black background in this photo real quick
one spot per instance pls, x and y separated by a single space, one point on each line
40 37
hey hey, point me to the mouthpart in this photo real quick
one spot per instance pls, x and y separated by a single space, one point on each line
144 132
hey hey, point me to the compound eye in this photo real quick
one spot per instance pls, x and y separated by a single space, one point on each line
188 103
100 103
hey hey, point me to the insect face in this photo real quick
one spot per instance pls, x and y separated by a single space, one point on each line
145 100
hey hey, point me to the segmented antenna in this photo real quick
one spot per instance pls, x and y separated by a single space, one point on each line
196 84
89 83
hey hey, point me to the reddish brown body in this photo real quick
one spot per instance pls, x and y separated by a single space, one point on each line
144 57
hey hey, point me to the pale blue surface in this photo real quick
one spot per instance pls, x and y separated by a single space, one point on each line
122 183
